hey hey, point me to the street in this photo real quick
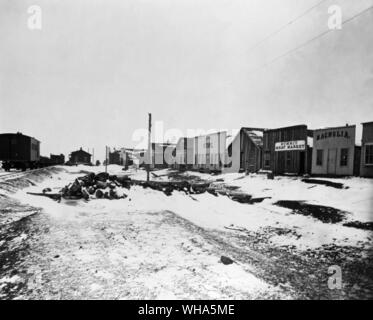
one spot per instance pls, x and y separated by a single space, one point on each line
121 249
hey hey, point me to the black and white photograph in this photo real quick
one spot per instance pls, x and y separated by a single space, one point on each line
186 151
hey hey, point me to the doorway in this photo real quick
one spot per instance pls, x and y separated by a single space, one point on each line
332 161
302 159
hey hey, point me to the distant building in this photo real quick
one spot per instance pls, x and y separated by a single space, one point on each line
127 156
287 150
114 157
80 157
210 151
184 157
245 151
366 167
57 159
221 152
334 151
162 155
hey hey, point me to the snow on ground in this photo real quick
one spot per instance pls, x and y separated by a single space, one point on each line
356 199
220 212
126 246
150 245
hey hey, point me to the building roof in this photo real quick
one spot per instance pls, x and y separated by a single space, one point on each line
369 122
18 133
80 151
284 128
332 128
255 135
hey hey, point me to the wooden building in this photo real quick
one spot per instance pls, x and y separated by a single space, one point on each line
130 156
57 159
287 151
245 151
162 155
80 157
184 155
210 152
366 167
114 157
334 151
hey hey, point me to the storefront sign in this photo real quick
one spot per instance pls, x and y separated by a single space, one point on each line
333 134
290 145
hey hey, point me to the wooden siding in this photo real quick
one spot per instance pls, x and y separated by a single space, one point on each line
251 154
280 162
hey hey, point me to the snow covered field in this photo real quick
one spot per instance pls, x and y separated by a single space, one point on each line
150 245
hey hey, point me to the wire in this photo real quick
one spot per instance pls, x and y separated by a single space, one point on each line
311 40
286 25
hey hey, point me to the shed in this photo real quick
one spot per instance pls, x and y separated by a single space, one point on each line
245 151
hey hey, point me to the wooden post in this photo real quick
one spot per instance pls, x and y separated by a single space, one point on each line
106 160
149 160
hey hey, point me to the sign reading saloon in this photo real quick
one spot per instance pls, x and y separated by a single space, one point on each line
290 145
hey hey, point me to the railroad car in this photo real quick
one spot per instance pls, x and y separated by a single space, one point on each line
19 151
44 162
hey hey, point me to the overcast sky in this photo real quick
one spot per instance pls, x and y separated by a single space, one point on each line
97 67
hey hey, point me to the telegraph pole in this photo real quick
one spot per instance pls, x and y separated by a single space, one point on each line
106 160
149 160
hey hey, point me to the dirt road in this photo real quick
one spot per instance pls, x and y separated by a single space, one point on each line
128 256
96 251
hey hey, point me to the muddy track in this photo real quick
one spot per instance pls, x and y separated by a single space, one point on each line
304 275
299 275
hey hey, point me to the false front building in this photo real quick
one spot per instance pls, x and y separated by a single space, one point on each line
287 150
366 167
334 151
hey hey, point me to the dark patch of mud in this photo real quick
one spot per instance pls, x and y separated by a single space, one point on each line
360 225
247 199
322 213
14 250
327 183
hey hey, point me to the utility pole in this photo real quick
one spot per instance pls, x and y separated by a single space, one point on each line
149 160
106 160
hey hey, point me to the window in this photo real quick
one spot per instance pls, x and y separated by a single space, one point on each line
344 157
369 154
319 157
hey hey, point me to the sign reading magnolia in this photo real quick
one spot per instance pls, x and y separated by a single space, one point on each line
290 145
333 134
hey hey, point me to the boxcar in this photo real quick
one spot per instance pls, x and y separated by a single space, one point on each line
19 151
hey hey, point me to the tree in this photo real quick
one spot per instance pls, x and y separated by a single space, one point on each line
98 163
